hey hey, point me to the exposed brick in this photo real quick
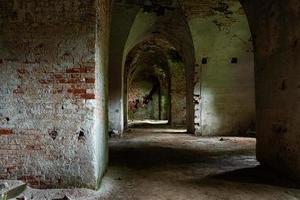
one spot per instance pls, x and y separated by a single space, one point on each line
61 80
31 180
6 131
59 76
57 91
45 81
77 70
35 76
87 96
75 75
73 80
76 91
19 90
90 80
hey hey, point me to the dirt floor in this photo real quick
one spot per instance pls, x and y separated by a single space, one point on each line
149 165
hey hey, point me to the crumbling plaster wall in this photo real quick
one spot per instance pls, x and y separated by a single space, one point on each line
47 89
224 91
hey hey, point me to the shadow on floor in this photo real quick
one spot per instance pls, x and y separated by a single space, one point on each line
257 175
145 156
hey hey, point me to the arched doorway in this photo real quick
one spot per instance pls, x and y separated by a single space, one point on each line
156 58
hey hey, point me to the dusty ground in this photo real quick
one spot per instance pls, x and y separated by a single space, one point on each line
163 166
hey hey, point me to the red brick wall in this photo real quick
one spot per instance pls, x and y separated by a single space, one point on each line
47 91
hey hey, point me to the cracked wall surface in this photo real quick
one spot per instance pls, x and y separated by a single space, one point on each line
224 90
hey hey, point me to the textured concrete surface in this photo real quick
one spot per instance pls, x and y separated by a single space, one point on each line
158 166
